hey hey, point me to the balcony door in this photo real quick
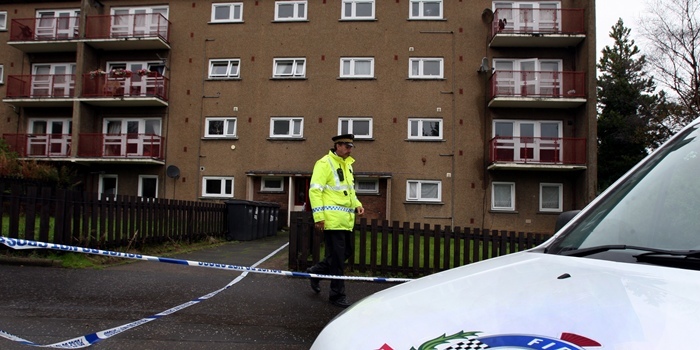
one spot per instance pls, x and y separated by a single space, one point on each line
526 141
57 24
53 80
132 137
140 85
530 77
529 17
49 137
139 21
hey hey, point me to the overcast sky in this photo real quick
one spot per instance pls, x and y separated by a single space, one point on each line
607 14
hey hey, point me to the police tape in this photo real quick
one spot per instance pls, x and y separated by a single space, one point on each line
19 244
91 339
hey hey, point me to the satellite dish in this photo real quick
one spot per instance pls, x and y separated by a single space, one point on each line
487 16
172 171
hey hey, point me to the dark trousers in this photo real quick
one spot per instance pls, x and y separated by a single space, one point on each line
339 247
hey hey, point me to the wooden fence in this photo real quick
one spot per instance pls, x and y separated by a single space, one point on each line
82 219
409 249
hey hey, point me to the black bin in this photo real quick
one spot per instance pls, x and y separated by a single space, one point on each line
249 220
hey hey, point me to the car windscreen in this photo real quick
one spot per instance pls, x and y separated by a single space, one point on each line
656 209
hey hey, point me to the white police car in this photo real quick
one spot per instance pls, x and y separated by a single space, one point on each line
622 274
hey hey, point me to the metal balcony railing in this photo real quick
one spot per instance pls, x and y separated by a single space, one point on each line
538 150
146 25
121 146
128 84
44 29
40 86
538 21
538 84
39 145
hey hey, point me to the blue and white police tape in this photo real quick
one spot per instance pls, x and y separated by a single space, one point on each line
90 339
15 243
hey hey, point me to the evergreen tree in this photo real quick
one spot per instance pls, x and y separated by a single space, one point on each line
630 113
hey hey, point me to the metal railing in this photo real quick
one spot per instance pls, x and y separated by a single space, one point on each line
41 86
538 21
39 145
101 84
538 84
44 29
146 25
538 150
124 146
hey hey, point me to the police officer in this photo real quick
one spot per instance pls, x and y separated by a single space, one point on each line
334 204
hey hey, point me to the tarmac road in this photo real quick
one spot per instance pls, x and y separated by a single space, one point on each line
47 305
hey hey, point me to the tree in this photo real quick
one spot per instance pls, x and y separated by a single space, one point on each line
631 114
672 29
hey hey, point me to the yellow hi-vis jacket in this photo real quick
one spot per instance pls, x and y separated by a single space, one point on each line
332 195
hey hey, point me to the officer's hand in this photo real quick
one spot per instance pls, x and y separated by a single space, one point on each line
319 225
360 210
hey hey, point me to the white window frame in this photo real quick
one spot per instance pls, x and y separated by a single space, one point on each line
225 131
419 63
301 9
418 122
351 5
3 21
100 189
418 196
421 9
144 177
352 62
346 126
234 8
560 191
265 188
2 74
223 180
536 141
367 181
233 68
511 207
296 72
124 22
512 79
536 22
50 78
57 23
291 123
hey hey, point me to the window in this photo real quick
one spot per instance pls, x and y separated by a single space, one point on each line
2 74
231 12
221 127
57 24
528 77
529 16
360 127
286 127
289 68
108 185
290 10
528 140
3 20
367 186
357 67
228 68
148 186
426 9
358 9
423 191
424 129
272 184
217 186
503 196
425 68
551 197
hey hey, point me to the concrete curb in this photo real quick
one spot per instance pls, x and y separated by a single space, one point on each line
4 260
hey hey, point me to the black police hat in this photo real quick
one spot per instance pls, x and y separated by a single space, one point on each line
345 138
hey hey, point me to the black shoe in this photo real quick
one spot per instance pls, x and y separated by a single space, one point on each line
314 282
341 302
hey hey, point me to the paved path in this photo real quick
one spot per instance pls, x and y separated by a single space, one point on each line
48 304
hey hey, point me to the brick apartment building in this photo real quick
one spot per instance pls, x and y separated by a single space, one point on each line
471 113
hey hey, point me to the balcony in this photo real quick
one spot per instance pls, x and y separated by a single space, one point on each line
128 32
545 153
143 148
55 34
40 146
537 28
537 89
40 90
127 90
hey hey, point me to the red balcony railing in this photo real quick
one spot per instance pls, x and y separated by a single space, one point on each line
146 25
538 150
44 29
39 145
538 21
129 146
543 84
41 86
128 85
